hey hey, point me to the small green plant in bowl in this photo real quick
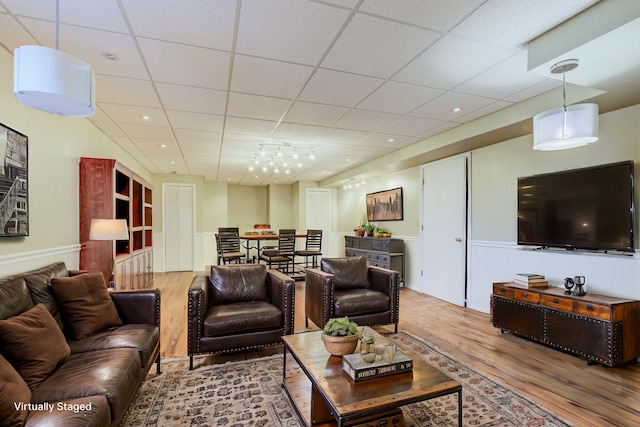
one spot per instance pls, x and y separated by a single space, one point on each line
341 327
340 336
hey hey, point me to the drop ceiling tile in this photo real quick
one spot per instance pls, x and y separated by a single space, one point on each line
90 46
294 131
195 121
190 137
438 15
365 120
109 128
502 80
103 15
381 140
118 90
481 112
509 23
376 47
534 90
442 107
242 126
187 65
198 24
304 32
155 133
312 113
336 88
134 115
257 107
275 78
451 61
13 35
191 99
342 136
398 98
411 126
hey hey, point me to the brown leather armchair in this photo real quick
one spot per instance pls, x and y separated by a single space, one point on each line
350 287
238 307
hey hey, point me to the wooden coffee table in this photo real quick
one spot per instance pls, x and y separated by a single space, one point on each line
324 394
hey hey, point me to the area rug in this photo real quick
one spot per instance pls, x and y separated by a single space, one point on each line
249 394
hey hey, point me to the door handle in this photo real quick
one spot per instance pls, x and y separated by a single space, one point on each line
458 239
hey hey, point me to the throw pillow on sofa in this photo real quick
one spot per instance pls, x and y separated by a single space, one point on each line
86 303
13 390
34 344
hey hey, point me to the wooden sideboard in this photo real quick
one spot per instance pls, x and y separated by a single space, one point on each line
380 251
599 328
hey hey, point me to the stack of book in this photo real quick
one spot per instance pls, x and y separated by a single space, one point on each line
358 370
531 280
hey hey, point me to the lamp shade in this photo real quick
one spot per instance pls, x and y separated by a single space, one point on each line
568 127
108 229
53 81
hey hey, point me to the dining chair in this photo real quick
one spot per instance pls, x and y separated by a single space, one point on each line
228 245
283 254
312 249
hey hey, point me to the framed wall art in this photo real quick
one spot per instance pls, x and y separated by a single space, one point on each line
385 205
14 195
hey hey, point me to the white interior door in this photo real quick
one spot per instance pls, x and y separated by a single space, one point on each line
319 215
444 229
178 224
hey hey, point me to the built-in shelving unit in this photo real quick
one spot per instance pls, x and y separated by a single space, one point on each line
110 190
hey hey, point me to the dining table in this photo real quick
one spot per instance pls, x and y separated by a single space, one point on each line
247 240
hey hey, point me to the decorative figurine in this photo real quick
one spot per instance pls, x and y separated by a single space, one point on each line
568 283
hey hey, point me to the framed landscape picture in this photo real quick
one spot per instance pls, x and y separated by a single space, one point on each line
14 196
385 205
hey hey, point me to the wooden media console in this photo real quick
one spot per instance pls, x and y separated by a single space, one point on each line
600 328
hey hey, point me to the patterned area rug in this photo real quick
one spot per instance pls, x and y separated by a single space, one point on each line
249 394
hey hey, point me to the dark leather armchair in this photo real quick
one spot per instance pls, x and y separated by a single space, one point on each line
238 307
350 287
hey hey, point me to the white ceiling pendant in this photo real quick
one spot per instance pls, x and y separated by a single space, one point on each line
53 81
566 127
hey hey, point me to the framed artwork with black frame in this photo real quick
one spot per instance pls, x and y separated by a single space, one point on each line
385 205
14 194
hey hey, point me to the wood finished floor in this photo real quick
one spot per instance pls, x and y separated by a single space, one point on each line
565 385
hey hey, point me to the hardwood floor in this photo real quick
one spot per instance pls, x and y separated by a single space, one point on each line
565 385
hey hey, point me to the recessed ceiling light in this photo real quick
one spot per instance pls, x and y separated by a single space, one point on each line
348 160
111 56
145 117
162 145
173 162
457 110
391 140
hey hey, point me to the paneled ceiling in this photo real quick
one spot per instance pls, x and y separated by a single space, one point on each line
196 87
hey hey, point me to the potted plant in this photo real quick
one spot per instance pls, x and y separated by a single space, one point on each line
369 228
340 336
359 231
378 232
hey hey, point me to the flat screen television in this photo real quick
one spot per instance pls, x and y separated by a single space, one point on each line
590 208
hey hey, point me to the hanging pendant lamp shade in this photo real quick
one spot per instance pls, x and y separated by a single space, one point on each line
53 81
566 127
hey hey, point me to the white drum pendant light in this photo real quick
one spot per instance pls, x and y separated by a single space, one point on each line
566 127
53 81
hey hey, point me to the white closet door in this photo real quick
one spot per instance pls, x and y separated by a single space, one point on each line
179 223
444 231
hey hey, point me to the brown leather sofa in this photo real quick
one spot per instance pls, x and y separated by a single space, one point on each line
101 373
238 307
350 287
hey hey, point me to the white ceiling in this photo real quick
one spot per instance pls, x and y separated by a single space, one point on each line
354 79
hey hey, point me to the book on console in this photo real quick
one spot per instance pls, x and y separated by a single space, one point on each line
533 284
358 370
527 278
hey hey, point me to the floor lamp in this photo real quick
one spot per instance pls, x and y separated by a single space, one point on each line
109 229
